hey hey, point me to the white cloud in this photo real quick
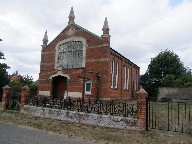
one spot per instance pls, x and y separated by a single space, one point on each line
139 29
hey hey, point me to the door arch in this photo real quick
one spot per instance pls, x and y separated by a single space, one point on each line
59 86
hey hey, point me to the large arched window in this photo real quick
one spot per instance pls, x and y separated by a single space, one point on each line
70 53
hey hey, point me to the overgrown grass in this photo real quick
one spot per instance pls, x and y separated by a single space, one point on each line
94 134
172 116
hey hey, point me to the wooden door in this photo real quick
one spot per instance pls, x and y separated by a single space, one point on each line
59 87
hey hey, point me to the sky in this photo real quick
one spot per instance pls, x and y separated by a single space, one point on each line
139 29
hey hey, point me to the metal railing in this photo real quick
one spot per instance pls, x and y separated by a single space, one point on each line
170 116
125 109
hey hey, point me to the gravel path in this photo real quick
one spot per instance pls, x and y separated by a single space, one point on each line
10 134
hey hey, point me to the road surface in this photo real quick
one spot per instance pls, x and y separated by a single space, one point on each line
10 134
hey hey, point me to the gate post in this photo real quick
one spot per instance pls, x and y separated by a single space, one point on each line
24 95
141 107
6 90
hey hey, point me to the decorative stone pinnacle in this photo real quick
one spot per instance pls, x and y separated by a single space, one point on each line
45 36
71 16
45 40
106 26
71 13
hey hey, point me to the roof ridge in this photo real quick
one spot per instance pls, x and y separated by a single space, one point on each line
88 31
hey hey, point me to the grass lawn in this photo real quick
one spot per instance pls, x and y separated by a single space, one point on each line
94 134
172 116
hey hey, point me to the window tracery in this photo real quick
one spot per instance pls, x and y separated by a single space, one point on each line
70 55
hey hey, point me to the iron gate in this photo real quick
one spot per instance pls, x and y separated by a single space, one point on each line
170 116
13 101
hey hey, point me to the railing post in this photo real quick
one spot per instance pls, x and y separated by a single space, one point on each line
24 95
6 90
142 108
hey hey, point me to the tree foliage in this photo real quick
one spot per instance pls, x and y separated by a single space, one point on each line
166 69
165 63
4 78
26 80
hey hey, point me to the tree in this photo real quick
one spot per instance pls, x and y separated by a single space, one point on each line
26 80
1 55
164 69
165 63
4 78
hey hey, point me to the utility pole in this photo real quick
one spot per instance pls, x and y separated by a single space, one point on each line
83 91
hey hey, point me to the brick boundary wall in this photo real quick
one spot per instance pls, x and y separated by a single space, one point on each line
6 90
141 96
138 123
24 95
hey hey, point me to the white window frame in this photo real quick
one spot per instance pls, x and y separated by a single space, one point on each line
125 77
112 73
117 74
128 74
88 92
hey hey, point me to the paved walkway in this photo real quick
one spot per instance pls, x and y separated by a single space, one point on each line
10 134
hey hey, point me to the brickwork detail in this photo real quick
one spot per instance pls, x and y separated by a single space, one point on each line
24 95
6 90
141 106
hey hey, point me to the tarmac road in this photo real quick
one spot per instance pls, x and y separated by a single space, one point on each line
10 134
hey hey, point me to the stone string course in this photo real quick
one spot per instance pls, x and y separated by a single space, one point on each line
86 118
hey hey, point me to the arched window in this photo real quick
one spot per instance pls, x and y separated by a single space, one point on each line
112 73
125 77
128 78
70 53
117 74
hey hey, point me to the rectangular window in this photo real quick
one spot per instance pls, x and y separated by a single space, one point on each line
88 87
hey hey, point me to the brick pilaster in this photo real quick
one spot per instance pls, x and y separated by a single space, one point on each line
24 95
141 107
6 90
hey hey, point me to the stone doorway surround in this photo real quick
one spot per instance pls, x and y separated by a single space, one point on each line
59 84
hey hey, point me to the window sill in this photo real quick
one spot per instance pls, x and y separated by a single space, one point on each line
87 94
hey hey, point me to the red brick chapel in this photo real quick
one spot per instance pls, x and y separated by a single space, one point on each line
82 63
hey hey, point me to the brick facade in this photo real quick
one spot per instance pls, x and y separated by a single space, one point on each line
98 59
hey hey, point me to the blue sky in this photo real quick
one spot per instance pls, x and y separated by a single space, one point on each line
174 3
139 29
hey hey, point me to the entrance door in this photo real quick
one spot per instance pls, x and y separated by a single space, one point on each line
59 87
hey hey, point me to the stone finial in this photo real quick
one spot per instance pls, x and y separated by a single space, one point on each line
106 28
71 17
45 39
106 36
